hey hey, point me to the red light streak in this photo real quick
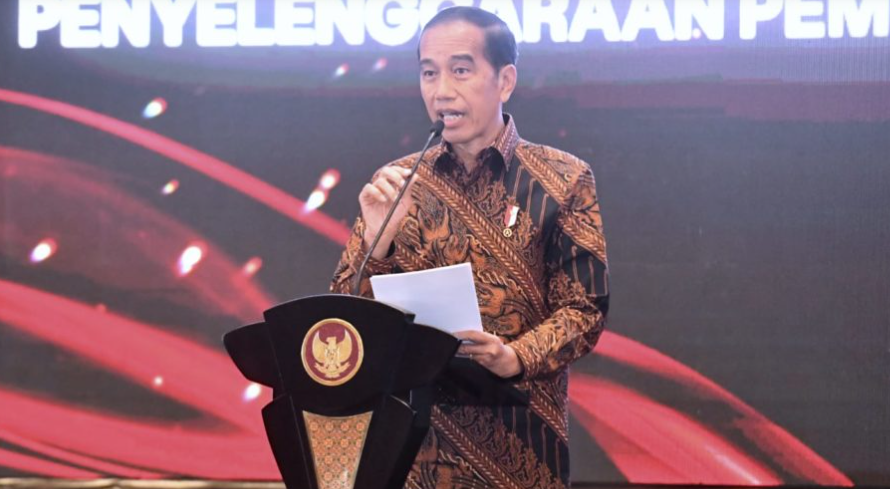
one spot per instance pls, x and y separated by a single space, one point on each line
73 458
771 439
194 375
40 466
653 443
233 177
141 239
132 349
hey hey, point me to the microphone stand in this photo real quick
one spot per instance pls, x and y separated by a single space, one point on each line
435 131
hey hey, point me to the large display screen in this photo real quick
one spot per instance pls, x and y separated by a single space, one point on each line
171 168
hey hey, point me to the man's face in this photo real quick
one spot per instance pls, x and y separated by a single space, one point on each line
460 86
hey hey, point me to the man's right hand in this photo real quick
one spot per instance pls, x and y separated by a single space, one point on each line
375 200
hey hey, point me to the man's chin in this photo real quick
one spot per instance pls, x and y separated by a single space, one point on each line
452 136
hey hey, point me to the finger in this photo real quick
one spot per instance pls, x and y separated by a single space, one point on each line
386 188
373 193
401 172
471 349
394 176
466 335
476 336
478 357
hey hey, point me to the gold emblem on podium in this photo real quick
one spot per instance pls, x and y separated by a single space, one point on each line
332 352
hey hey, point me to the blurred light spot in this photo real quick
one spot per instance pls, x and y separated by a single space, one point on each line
43 250
341 70
316 199
154 108
101 308
563 132
189 259
170 187
158 381
406 140
10 171
380 65
329 179
696 33
252 392
252 266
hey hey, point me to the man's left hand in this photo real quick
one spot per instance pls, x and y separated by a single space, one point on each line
490 352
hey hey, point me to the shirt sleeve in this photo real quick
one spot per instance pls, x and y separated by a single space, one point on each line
577 287
351 260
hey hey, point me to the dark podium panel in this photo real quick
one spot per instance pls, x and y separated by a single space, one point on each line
354 381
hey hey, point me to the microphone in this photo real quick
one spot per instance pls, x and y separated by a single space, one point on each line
435 131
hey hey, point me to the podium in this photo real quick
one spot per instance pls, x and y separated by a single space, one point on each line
354 381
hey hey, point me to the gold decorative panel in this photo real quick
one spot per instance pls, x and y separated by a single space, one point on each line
336 444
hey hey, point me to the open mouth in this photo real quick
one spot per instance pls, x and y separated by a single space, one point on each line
450 115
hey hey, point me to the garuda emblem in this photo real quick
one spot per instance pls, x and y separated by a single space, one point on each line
332 352
332 355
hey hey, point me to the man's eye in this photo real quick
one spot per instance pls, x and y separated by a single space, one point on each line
461 71
427 73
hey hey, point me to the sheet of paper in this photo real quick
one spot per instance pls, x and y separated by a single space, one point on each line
444 298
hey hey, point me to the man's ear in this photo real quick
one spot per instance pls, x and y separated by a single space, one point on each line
507 82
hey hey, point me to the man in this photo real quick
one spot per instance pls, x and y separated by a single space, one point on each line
527 218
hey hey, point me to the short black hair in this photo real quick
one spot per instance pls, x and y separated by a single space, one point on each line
500 44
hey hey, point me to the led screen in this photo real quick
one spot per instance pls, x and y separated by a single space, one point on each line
170 169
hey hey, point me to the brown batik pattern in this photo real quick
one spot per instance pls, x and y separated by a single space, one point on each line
542 288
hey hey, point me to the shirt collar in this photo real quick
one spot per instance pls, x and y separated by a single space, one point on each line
504 146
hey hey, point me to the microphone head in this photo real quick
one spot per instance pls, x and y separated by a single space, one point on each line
437 128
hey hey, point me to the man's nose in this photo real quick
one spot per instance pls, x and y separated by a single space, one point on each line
445 88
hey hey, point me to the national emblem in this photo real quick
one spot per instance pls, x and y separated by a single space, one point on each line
334 353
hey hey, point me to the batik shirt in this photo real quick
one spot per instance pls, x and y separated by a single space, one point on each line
527 219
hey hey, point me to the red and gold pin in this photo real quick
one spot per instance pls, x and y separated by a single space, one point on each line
510 219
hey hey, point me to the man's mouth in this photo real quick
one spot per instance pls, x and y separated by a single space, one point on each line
450 115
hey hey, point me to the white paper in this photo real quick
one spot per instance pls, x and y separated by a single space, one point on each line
444 298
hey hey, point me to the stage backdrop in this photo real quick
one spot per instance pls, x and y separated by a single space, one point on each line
169 169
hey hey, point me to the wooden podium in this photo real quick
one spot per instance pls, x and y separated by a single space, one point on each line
354 381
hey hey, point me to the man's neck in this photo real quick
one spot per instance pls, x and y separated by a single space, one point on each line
469 159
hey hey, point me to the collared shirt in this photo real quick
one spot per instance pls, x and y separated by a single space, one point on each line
527 219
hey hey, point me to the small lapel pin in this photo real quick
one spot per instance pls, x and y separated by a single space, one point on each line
510 219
